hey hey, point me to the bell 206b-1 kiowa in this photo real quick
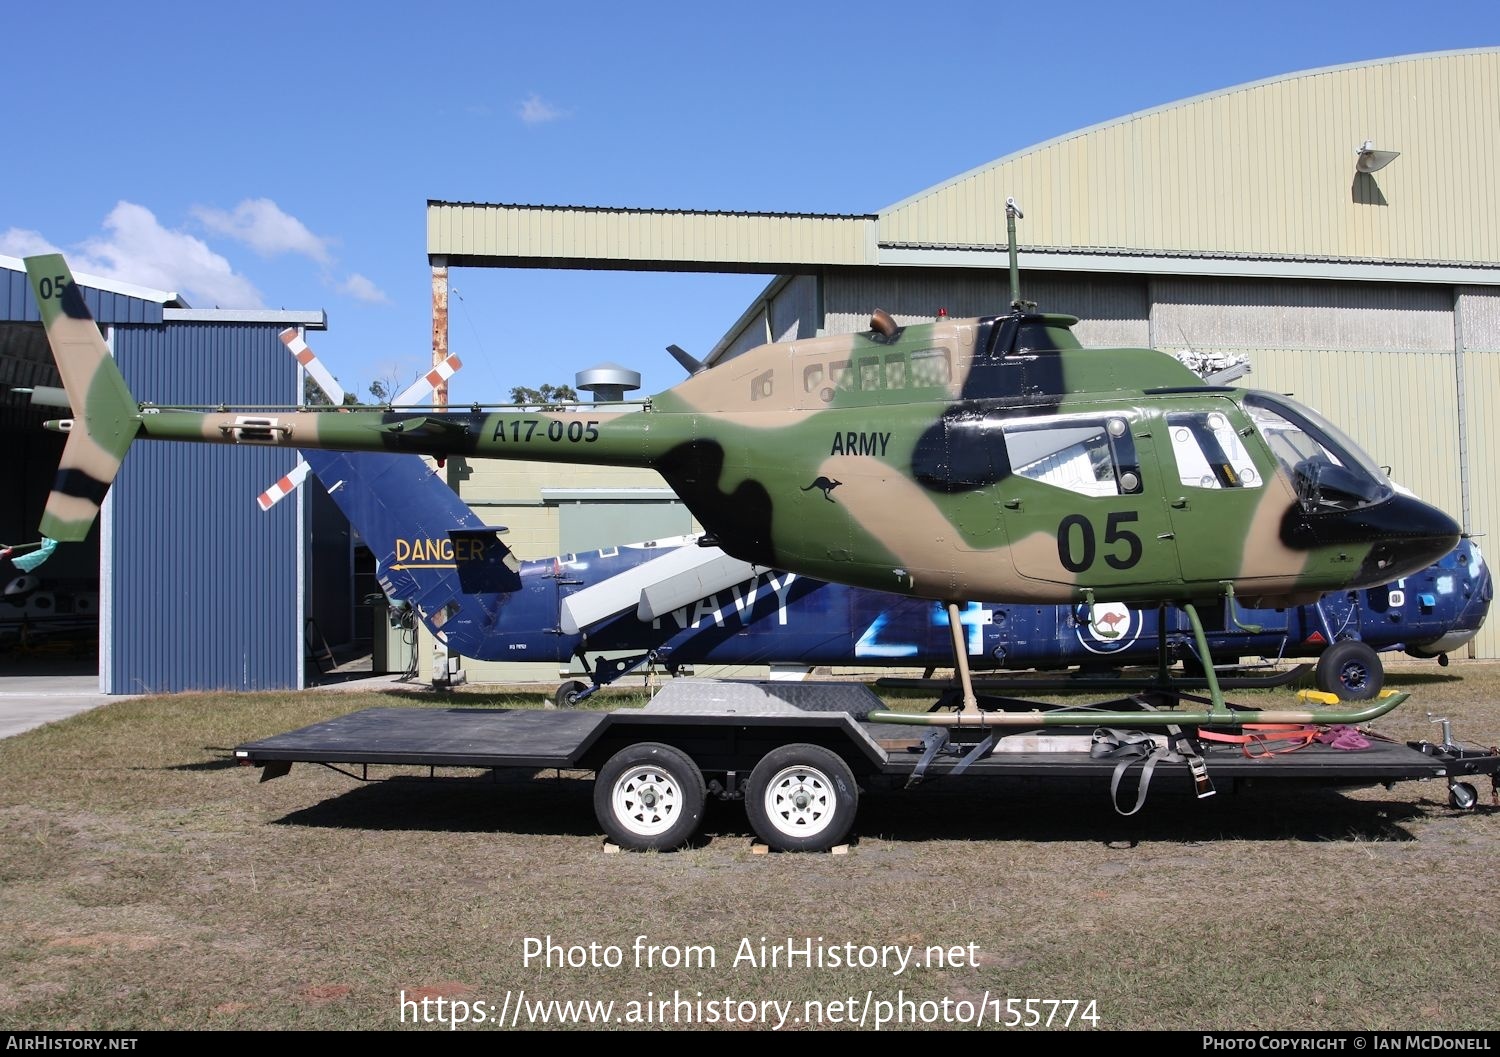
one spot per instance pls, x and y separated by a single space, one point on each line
615 611
990 458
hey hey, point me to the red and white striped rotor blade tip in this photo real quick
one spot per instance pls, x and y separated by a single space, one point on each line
422 388
285 486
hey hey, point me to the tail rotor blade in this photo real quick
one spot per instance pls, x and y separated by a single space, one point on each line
283 487
291 337
423 387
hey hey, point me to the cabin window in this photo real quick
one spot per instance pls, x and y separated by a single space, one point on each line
1208 451
930 367
842 375
1093 457
869 375
895 372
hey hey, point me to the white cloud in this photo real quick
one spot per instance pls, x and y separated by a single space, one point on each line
360 288
260 224
537 111
18 242
138 249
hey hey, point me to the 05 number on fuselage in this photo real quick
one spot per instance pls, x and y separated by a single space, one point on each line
1078 543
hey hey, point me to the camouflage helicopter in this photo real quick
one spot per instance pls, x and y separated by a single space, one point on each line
990 458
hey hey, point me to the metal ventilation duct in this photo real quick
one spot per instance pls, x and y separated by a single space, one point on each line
609 382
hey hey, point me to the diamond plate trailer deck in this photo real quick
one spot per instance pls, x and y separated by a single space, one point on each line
795 752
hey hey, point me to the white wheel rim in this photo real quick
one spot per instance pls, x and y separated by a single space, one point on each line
647 800
800 801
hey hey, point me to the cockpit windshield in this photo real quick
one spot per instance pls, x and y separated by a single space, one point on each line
1329 470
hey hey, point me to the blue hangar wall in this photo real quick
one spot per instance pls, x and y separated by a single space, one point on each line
202 590
198 589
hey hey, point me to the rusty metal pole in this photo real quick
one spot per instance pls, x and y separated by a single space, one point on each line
439 325
443 663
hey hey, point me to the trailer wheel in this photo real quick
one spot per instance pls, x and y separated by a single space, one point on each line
1350 669
567 693
649 797
1463 796
801 798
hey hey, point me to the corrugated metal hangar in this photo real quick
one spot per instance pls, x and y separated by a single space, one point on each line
1248 221
1255 220
189 592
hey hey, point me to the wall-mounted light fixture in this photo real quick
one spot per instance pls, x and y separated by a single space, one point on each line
1372 160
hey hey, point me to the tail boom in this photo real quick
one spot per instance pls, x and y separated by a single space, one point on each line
618 438
107 419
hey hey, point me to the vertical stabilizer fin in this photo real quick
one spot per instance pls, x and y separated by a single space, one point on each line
105 416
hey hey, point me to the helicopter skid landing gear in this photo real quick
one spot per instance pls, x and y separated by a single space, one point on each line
1159 706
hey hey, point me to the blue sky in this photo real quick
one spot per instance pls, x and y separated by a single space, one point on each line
282 154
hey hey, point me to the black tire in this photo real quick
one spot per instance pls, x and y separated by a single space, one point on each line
1350 669
1463 796
649 797
801 798
567 693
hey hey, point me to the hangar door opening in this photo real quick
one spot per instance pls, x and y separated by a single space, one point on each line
49 618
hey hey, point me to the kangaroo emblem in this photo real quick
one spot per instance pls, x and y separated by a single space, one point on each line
1109 620
826 484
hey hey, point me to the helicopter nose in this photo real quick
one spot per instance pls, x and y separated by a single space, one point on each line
1484 585
1405 534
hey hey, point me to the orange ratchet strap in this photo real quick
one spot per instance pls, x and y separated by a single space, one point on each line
1262 740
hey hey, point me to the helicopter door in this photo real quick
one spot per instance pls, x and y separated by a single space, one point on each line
1216 490
1086 496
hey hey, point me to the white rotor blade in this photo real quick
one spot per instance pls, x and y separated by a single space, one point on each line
423 386
291 337
284 487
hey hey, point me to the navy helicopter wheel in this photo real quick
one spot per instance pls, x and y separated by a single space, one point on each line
1350 669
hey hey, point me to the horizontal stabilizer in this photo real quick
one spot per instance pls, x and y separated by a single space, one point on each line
485 564
686 573
46 396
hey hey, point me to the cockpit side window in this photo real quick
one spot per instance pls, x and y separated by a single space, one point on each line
1208 451
1327 469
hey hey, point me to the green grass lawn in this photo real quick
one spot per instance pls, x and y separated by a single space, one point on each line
146 881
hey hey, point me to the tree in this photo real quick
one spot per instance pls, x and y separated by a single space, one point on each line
547 394
313 396
386 387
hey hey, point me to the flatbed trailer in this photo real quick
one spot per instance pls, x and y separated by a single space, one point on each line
798 754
